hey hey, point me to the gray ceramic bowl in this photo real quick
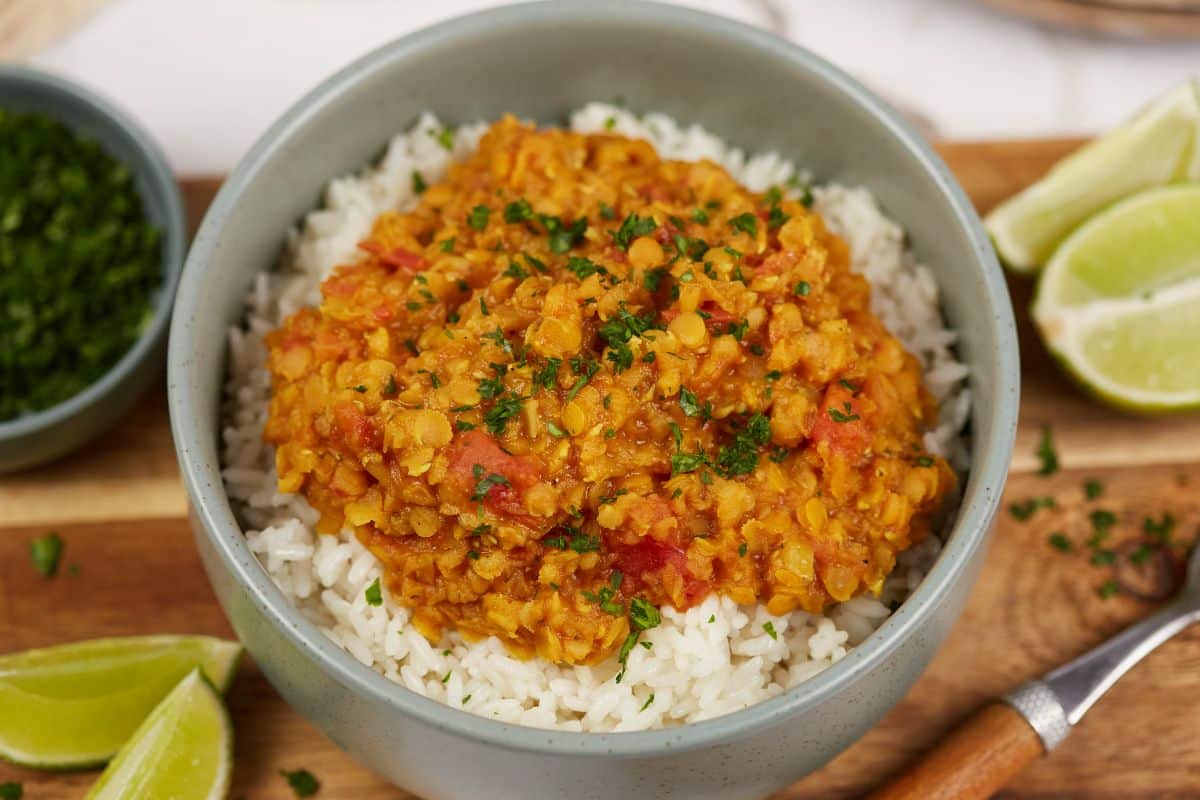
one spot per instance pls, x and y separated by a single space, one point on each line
540 61
35 438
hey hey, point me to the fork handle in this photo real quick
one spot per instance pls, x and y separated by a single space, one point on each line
972 763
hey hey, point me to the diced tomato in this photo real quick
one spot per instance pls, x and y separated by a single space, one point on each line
477 448
650 556
397 257
776 263
850 434
614 253
340 285
357 429
752 259
655 191
666 233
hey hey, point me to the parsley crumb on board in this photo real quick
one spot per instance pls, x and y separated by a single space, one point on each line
303 782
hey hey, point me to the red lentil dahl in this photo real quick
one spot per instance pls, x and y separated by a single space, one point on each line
578 379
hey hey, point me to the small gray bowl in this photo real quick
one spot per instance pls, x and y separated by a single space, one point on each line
540 61
55 431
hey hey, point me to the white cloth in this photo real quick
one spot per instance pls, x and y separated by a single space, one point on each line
208 77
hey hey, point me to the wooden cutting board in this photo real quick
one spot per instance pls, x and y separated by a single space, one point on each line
119 506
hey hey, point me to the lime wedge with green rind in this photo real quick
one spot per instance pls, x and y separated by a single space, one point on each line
1119 303
1159 145
182 751
75 705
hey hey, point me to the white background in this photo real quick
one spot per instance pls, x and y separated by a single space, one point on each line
208 76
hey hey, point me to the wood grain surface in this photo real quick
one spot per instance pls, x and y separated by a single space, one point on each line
1128 19
118 505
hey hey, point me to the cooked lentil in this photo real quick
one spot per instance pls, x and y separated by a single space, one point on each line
634 406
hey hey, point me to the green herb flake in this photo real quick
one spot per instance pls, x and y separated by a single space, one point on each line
700 216
607 212
631 228
478 218
45 551
769 627
1141 554
1093 489
418 183
646 704
10 790
1103 558
303 783
374 594
743 548
485 481
1108 589
747 223
1046 454
802 289
496 418
445 138
518 211
584 268
555 431
447 246
1159 531
1059 541
843 416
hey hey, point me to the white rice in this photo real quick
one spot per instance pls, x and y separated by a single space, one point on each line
710 660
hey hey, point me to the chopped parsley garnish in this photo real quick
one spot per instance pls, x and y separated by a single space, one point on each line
463 425
547 377
518 211
515 270
643 614
1141 554
489 388
361 389
1107 589
1059 541
562 236
555 431
584 268
801 289
689 403
747 223
1092 488
1026 508
411 346
447 246
607 212
633 227
604 599
536 263
1103 558
582 543
446 677
496 418
610 433
776 218
700 216
466 700
738 329
10 790
303 783
687 462
478 218
374 594
779 454
418 183
646 704
652 279
1159 531
485 482
445 138
1046 454
925 461
676 434
390 387
843 416
498 338
742 548
741 457
46 551
769 627
617 332
413 305
649 357
609 499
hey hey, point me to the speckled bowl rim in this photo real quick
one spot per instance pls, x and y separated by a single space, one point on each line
174 234
213 511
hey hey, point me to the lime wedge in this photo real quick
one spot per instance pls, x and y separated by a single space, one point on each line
75 705
182 751
1161 144
1119 303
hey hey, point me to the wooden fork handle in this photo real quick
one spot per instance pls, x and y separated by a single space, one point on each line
973 763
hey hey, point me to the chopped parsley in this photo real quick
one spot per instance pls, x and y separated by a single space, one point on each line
925 461
46 551
633 227
646 704
1107 589
776 218
496 418
555 431
1045 453
1103 558
1159 531
498 338
584 268
485 482
562 236
843 416
742 549
687 462
445 138
691 405
738 329
604 599
607 212
303 783
748 223
418 183
374 594
518 211
643 614
617 332
741 456
478 218
547 377
10 790
801 289
1059 541
652 279
700 216
536 263
447 246
1092 488
769 627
